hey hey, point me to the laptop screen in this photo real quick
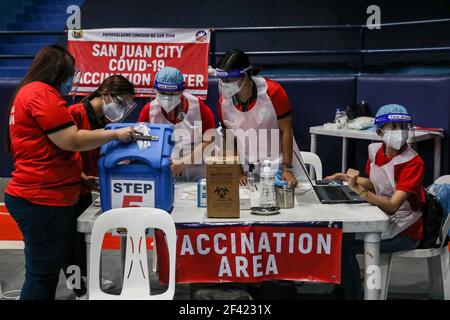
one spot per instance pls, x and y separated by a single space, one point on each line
304 168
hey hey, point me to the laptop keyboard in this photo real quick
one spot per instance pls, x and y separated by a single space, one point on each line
335 193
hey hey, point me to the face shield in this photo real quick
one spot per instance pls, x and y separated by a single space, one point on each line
117 108
396 128
231 81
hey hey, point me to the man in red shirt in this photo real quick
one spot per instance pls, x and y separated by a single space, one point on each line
395 185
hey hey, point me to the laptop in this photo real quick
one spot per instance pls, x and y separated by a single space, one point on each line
332 194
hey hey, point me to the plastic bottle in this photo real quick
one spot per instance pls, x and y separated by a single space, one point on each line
339 114
267 180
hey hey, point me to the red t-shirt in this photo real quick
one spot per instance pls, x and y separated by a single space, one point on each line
277 96
43 173
206 114
408 178
86 119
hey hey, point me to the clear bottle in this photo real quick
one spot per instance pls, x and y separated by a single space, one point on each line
266 184
339 114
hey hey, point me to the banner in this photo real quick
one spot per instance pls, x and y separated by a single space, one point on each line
253 253
138 54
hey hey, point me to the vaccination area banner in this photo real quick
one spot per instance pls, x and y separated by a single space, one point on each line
138 54
253 253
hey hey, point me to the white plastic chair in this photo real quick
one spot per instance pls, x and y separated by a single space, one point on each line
437 259
136 284
313 160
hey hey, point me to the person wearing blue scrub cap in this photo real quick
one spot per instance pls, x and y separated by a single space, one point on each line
394 184
174 106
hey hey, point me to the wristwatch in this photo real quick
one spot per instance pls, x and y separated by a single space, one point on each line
287 167
363 194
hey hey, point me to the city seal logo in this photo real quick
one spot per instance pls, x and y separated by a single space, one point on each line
201 36
77 34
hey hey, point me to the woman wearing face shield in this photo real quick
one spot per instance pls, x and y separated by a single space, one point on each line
189 115
111 102
45 184
250 102
395 172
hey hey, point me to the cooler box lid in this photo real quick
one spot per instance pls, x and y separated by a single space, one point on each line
115 151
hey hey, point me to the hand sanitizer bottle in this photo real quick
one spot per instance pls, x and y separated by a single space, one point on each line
267 180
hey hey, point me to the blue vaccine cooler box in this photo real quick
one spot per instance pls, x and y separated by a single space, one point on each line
130 177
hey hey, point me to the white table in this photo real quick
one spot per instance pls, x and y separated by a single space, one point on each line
363 219
347 133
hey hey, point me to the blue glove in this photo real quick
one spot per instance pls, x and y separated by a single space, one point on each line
279 182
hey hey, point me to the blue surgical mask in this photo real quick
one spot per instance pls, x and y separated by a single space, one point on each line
66 87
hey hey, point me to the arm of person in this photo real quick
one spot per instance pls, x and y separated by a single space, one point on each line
287 146
72 139
51 114
388 205
179 165
89 181
365 182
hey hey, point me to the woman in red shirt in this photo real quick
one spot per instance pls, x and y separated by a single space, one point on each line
45 184
250 104
91 114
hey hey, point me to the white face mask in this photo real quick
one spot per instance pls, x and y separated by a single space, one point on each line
395 138
168 102
229 89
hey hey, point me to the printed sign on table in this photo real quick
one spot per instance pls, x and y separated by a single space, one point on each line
132 193
253 253
138 54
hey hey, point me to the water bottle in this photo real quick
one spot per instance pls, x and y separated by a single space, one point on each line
340 119
339 114
267 180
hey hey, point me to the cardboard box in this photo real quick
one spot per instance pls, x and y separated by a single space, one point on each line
222 184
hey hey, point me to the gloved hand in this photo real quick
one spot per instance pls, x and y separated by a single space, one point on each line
279 182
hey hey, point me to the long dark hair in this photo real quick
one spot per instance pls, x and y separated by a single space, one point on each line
236 59
115 85
52 65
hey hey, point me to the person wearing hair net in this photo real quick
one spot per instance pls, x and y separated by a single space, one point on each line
188 114
248 102
395 185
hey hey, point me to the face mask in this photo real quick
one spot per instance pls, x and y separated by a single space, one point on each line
395 138
66 87
168 102
113 111
229 89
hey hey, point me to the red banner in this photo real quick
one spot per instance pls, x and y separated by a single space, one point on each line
138 54
253 253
